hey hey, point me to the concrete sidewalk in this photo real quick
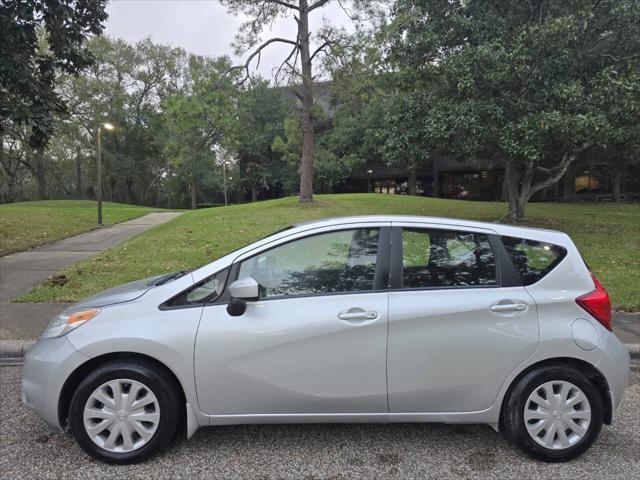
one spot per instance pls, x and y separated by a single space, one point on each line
21 271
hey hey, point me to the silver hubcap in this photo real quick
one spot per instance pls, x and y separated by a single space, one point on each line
557 415
121 415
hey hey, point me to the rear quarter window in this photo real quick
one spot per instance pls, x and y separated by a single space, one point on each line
532 259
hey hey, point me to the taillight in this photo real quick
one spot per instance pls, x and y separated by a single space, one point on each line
597 303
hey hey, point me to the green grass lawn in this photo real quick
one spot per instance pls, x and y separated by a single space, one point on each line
29 224
608 236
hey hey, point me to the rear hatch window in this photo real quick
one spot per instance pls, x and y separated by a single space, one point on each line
532 259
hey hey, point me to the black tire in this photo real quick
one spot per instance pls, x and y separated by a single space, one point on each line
513 421
158 381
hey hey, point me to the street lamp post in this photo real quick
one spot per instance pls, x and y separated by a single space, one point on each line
369 172
107 126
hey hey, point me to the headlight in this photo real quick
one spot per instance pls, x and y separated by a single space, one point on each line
65 322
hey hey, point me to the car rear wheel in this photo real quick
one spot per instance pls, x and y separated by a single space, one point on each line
124 411
553 413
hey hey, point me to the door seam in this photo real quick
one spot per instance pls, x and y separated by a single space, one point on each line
386 354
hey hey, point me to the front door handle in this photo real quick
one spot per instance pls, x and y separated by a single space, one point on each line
508 307
357 314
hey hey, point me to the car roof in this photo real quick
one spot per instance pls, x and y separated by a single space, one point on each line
302 228
499 228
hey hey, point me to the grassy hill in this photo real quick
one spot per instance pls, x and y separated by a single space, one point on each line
608 236
28 224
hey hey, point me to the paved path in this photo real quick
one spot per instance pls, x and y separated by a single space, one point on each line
21 271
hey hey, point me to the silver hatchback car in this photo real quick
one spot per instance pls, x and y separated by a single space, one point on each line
356 319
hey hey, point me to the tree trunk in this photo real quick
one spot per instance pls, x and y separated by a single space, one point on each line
517 192
254 193
436 179
130 193
306 167
617 184
194 195
520 186
41 175
112 188
79 193
411 182
569 185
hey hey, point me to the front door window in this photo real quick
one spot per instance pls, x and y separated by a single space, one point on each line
334 262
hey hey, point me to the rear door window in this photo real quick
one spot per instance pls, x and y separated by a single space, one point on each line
443 258
532 259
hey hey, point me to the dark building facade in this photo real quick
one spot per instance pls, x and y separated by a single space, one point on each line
446 178
451 178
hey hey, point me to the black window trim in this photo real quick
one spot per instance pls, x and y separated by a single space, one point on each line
388 274
218 300
504 274
380 278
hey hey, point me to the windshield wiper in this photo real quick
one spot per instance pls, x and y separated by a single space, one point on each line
165 278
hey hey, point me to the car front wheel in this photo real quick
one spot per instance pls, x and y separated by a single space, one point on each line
553 413
124 411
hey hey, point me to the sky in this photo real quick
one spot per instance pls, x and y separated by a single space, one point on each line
204 27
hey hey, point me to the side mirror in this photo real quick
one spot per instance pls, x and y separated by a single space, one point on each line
242 291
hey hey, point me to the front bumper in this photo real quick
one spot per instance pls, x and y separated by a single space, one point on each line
47 365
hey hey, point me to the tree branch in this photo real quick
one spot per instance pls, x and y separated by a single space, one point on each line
284 4
319 3
276 71
319 49
347 12
257 51
556 173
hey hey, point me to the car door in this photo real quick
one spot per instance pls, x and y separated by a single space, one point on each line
314 342
457 325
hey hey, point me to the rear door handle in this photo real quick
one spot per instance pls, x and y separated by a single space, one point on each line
357 314
508 307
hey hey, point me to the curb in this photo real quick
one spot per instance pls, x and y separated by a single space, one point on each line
11 349
15 349
634 349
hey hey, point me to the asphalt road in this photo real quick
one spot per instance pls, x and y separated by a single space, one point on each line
30 449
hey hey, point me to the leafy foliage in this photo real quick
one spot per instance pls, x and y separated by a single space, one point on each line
519 83
38 39
197 120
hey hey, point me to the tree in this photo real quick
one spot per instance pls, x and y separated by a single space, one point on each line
260 116
38 39
125 85
199 119
517 83
262 13
359 92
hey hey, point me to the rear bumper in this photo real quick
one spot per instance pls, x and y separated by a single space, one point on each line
47 365
615 366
